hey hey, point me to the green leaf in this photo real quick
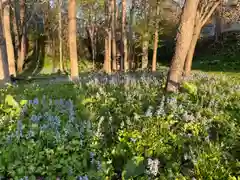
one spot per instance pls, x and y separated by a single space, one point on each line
190 88
23 102
134 167
9 100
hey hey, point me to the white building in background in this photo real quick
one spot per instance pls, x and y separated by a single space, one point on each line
210 28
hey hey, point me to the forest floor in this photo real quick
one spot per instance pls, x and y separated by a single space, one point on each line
123 126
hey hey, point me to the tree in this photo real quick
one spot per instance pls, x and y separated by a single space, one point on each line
184 37
73 39
113 29
204 12
154 59
22 50
131 24
60 35
4 73
124 36
107 40
145 37
8 37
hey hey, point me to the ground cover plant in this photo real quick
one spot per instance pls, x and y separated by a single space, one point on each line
121 127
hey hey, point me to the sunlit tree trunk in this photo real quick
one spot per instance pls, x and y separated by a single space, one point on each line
8 38
4 72
124 36
107 57
22 50
73 39
202 16
60 34
155 48
188 61
113 28
184 37
145 38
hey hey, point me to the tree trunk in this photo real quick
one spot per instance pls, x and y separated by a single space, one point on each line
200 20
113 28
4 72
184 37
218 28
131 24
188 61
73 39
107 57
155 48
60 35
9 42
145 37
22 52
110 11
145 51
124 37
16 30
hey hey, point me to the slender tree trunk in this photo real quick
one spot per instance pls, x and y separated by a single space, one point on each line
124 36
200 20
110 11
9 42
107 57
184 37
155 48
22 49
145 38
189 58
113 25
131 24
73 39
145 44
218 28
16 30
60 34
4 72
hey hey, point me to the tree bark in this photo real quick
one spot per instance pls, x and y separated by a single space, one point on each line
113 29
124 37
4 72
131 24
73 39
22 49
184 37
188 61
60 35
200 21
145 37
8 38
145 44
107 57
155 48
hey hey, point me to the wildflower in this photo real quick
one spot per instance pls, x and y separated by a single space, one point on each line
19 132
98 163
34 118
133 140
35 101
149 111
153 166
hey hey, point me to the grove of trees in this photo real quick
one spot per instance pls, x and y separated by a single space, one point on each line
123 32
